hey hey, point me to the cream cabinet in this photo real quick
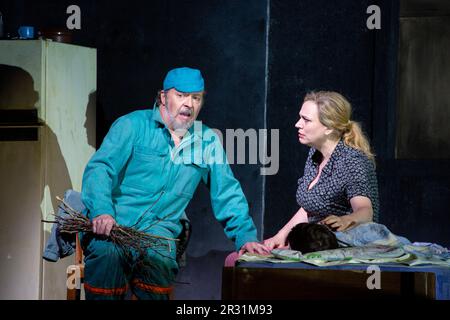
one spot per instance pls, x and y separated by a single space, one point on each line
47 136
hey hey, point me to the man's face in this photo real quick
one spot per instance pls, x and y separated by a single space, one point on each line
180 109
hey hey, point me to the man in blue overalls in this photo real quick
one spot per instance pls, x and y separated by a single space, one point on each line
147 169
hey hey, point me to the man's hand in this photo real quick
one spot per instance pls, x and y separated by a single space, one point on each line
103 224
254 247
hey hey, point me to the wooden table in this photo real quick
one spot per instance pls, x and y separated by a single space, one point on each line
302 281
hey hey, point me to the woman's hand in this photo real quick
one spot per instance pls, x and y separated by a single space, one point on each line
254 247
339 223
277 241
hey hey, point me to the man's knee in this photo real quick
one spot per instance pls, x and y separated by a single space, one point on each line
104 250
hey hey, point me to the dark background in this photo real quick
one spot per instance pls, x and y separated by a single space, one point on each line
259 58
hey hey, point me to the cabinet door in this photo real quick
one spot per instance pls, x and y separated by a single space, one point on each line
59 80
70 91
20 215
20 174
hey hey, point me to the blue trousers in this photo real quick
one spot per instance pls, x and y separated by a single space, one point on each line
111 273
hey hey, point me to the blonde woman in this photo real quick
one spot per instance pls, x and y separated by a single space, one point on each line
339 185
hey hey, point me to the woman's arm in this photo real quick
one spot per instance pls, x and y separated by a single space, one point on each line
360 188
362 209
362 213
279 240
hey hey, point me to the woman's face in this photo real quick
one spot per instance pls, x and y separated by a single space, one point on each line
310 130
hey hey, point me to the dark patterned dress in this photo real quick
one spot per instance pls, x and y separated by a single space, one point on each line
348 173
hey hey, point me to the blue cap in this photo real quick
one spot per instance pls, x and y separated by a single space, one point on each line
184 80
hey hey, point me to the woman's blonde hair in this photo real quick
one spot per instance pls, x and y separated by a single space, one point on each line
334 113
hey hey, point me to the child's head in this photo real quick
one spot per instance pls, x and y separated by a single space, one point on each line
310 237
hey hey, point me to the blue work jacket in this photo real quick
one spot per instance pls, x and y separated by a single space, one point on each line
139 177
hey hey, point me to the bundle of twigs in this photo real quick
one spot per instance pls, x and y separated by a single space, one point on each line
128 239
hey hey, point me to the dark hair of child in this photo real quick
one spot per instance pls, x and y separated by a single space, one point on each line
310 237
